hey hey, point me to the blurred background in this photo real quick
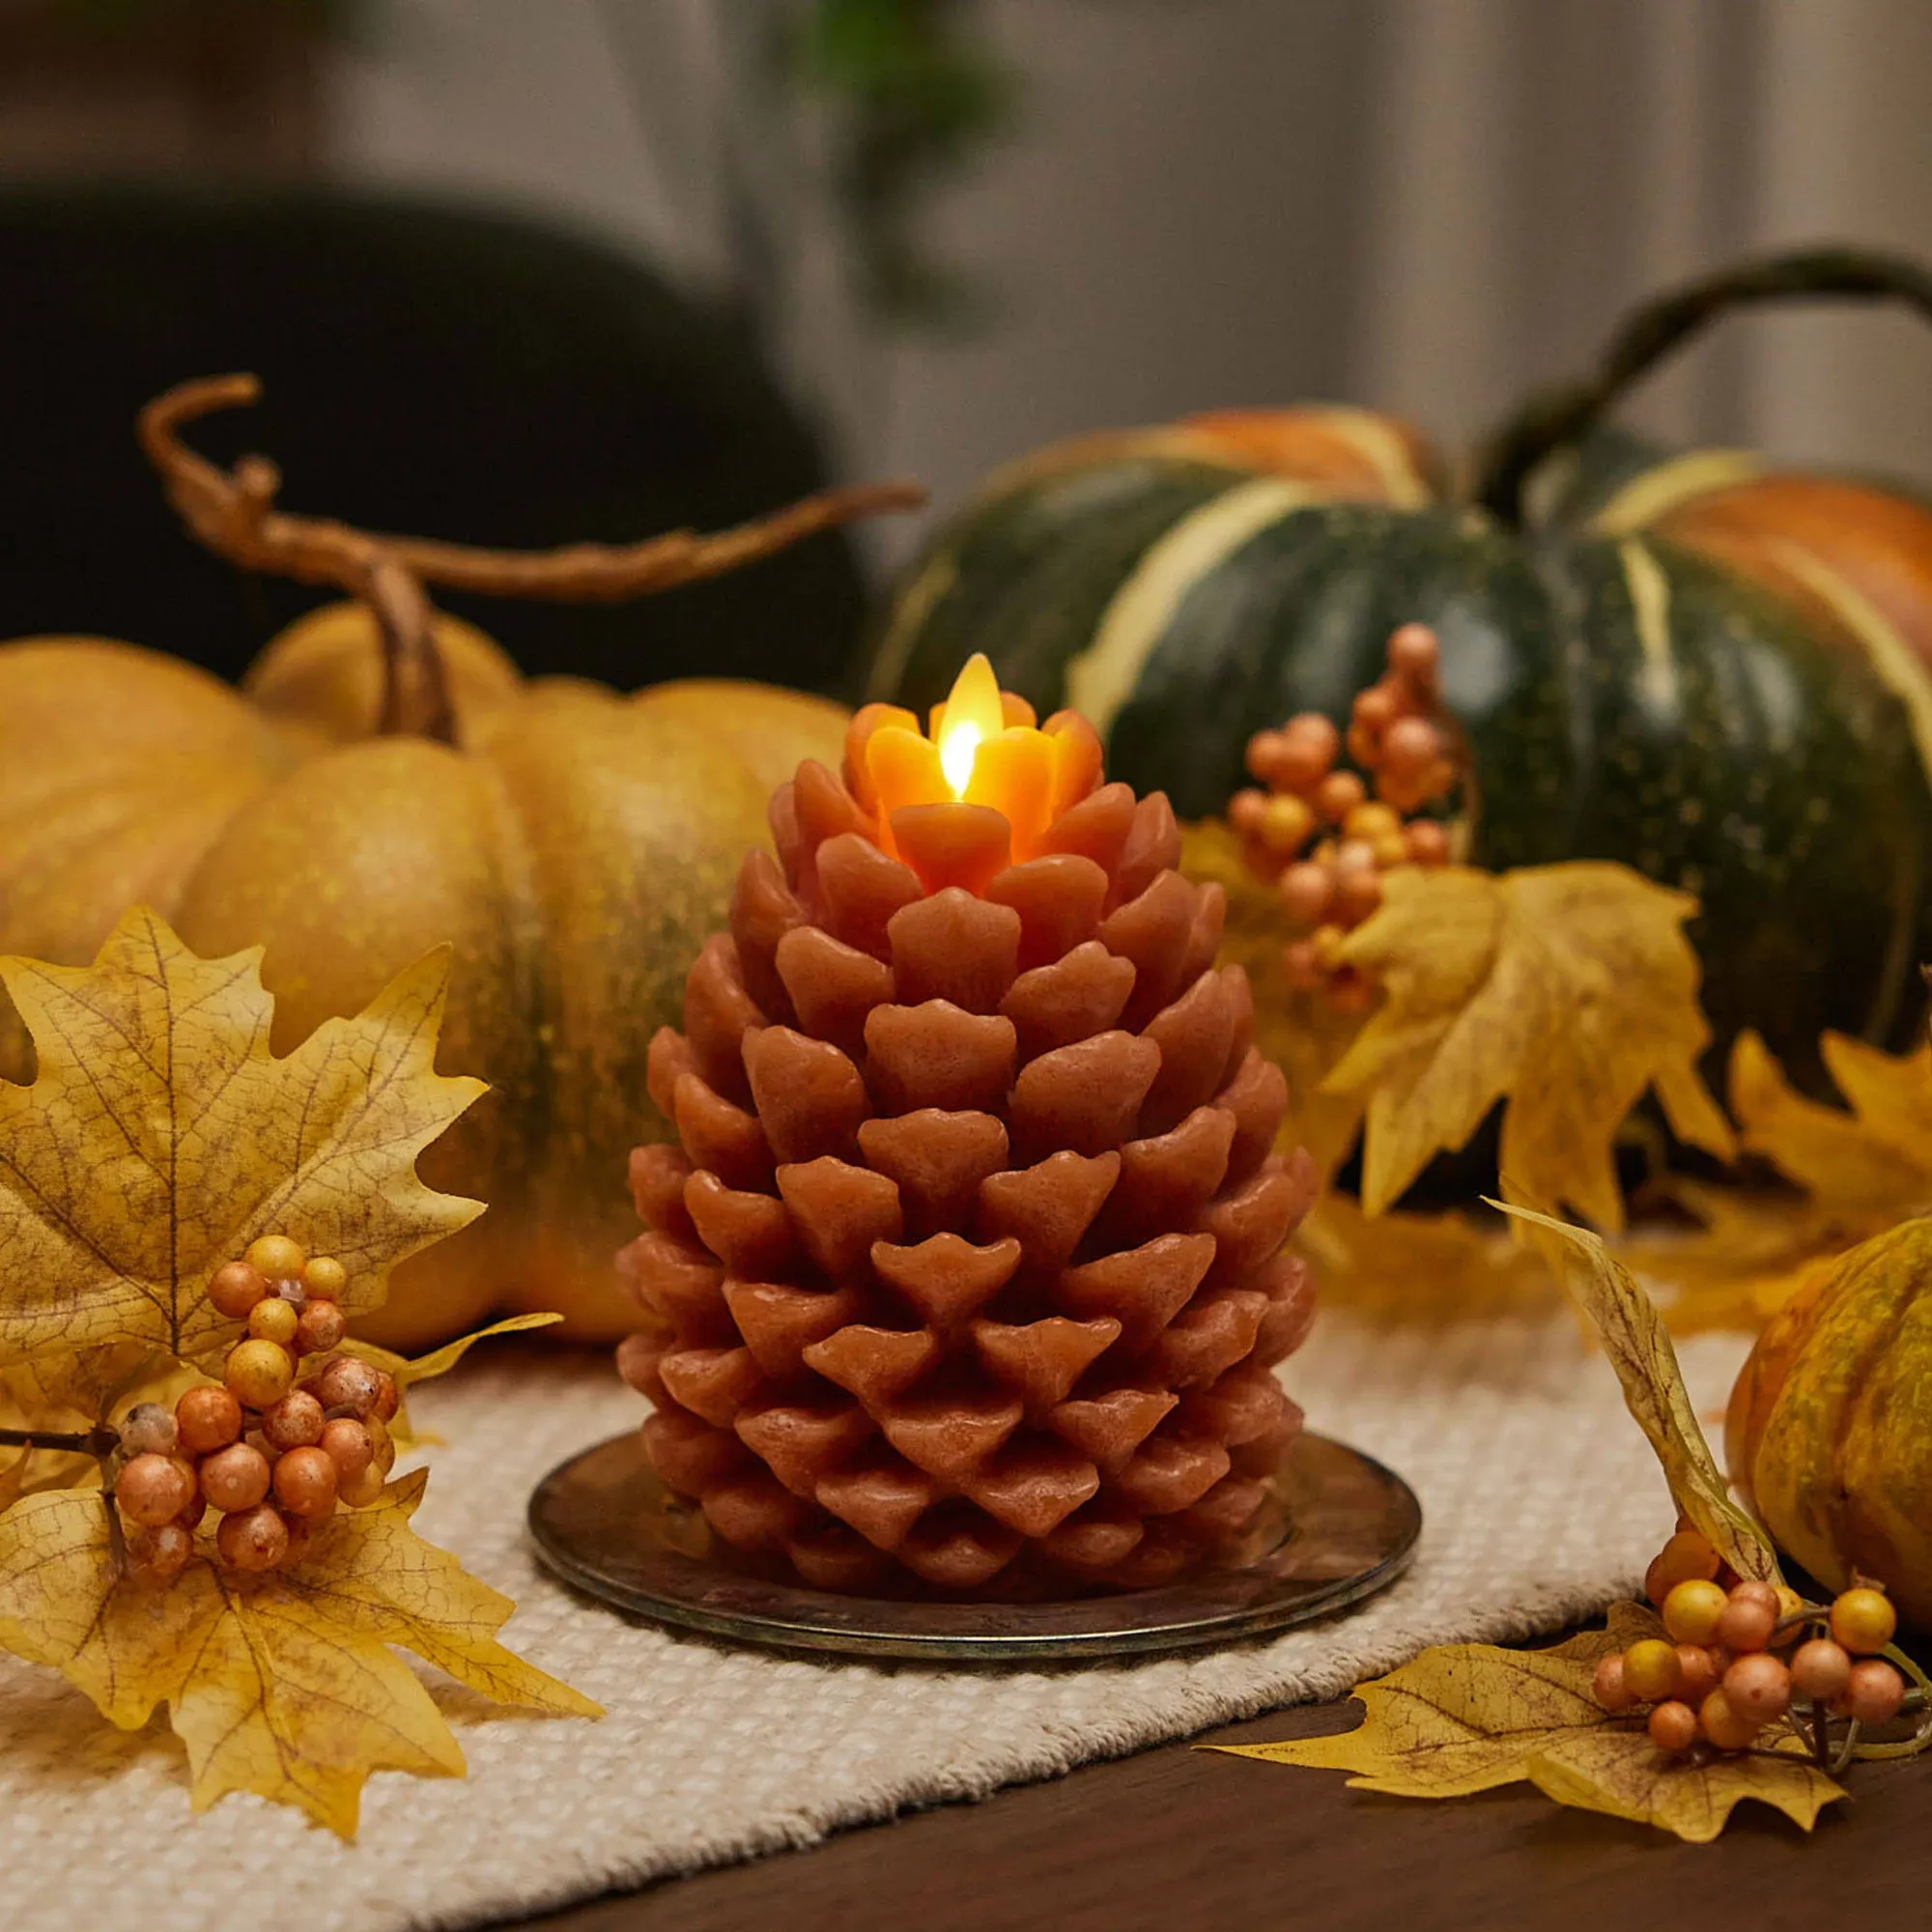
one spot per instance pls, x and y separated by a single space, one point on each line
527 270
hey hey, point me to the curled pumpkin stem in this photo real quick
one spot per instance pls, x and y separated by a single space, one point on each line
233 513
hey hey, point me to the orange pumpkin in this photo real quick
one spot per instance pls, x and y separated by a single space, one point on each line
1830 1430
574 846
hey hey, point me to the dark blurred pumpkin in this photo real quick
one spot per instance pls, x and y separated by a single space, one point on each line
1710 669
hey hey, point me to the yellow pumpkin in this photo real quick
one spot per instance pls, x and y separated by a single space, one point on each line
1830 1429
574 846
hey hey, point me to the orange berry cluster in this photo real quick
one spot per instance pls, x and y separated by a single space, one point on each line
1737 1656
268 1448
1333 884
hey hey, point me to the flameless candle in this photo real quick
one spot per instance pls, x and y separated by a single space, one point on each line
970 1248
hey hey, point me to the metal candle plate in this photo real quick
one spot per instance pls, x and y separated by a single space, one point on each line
1337 1528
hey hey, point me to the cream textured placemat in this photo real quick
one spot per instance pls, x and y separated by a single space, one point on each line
1541 1503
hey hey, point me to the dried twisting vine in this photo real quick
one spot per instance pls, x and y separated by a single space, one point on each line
233 513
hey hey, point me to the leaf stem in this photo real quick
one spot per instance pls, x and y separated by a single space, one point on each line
100 1442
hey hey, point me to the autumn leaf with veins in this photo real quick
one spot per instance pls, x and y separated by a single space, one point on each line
1466 1718
160 1137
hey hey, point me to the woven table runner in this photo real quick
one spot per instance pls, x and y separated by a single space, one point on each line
1541 1502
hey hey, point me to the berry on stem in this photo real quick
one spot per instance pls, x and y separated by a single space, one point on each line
1306 892
275 1257
1673 1728
1820 1670
233 1290
1688 1557
1722 1724
1414 653
1410 746
1863 1620
305 1483
259 1373
1697 1672
274 1321
253 1539
326 1277
1692 1610
348 1383
148 1430
1874 1692
1428 842
295 1422
208 1419
346 1442
235 1478
1747 1621
1338 795
1651 1670
322 1326
388 1397
158 1555
1286 823
1758 1688
151 1489
1609 1687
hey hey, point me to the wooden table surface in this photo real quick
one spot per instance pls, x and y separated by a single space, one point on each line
1176 1839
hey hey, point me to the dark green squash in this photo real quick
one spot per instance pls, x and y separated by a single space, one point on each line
1711 669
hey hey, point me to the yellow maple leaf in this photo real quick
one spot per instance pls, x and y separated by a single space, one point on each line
1565 992
66 1602
1627 1322
370 1571
1462 1718
1854 1173
1408 1267
283 1684
1467 1717
161 1136
158 1137
279 1702
1618 1769
1871 1166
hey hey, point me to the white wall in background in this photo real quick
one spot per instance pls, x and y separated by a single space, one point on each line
1425 204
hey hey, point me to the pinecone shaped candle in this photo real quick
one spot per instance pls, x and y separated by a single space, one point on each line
970 1256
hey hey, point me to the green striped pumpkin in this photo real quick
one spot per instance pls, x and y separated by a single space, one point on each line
1705 668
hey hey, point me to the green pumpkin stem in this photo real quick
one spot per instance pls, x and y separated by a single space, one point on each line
1559 417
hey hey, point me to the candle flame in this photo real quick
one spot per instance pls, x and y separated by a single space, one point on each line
971 715
958 750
